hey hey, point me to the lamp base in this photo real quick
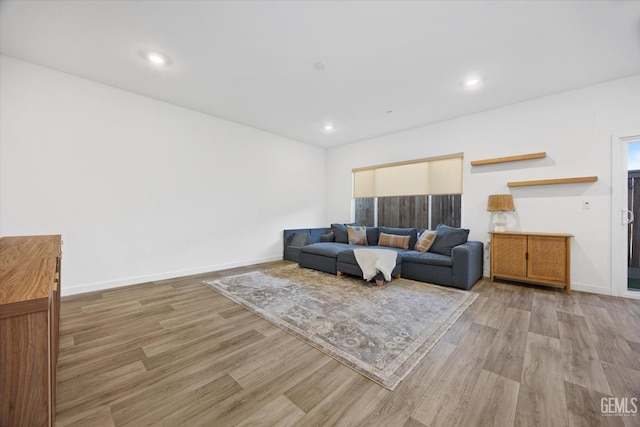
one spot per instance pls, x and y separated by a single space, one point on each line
499 222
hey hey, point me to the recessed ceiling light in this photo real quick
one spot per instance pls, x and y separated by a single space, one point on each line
155 58
159 59
328 127
474 81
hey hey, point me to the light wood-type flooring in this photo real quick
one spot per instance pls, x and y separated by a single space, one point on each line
177 353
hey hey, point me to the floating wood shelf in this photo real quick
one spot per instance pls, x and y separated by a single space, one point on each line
509 159
553 181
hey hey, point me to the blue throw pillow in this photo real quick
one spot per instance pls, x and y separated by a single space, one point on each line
448 238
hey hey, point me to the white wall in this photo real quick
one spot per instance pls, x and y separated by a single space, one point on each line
574 129
142 190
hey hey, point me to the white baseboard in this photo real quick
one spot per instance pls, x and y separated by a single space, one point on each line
590 288
577 287
101 286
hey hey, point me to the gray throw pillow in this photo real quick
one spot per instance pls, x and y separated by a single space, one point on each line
448 238
300 239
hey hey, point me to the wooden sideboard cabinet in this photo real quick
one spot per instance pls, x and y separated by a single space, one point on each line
543 258
29 329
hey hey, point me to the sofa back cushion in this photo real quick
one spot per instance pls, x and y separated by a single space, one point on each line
411 232
328 237
340 232
394 241
373 234
447 238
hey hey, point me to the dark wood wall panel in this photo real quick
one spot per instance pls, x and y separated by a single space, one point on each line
405 211
365 212
409 211
420 212
446 209
389 211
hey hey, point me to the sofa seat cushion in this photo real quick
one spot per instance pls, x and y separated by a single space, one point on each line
428 258
348 257
328 249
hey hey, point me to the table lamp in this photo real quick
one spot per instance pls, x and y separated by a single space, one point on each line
500 203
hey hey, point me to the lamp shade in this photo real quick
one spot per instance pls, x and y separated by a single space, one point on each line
500 203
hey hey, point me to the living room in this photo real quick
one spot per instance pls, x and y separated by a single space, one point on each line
145 190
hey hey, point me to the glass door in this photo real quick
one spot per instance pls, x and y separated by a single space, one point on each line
633 233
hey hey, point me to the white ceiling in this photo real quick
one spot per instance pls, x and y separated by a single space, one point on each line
252 62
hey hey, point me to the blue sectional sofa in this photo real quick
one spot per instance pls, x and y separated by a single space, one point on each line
450 261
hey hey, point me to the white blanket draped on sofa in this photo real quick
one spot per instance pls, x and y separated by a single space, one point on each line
372 261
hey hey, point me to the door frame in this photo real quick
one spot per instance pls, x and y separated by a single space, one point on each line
619 198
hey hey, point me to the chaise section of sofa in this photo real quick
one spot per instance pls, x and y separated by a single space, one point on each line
323 256
451 264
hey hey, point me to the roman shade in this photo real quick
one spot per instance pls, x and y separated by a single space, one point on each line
435 175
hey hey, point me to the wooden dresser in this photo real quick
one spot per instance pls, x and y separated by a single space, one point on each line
543 258
29 327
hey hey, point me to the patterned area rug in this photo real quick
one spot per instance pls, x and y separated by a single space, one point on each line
380 332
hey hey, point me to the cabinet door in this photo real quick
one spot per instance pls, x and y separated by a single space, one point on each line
508 255
548 258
